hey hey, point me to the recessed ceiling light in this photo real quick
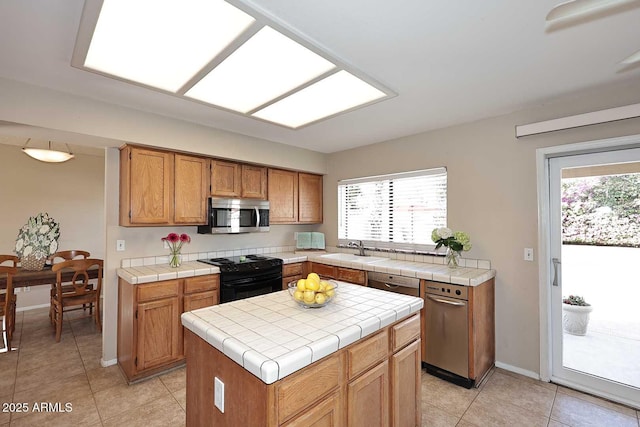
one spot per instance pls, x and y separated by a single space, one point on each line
336 93
268 65
162 43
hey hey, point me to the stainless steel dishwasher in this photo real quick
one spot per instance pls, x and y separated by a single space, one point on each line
394 283
447 332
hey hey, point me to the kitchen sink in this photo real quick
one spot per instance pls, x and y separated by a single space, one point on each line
354 258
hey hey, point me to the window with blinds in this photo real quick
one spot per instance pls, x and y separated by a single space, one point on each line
396 211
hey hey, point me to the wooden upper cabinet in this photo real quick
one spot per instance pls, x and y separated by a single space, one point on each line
310 198
225 178
283 196
146 186
191 188
254 182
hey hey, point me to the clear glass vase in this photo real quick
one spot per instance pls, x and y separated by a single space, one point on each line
175 259
452 258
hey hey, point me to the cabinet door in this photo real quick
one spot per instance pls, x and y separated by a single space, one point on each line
352 276
406 409
225 179
159 333
327 413
283 196
200 300
368 398
146 186
310 198
254 182
324 270
191 182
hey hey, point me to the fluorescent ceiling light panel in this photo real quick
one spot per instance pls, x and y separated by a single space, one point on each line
339 92
162 43
268 65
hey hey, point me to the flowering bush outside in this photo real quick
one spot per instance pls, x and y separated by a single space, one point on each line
603 210
38 237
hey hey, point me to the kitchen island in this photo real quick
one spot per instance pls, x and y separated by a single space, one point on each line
354 362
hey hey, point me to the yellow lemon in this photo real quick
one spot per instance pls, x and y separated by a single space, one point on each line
329 286
313 276
329 293
323 286
313 285
309 296
320 298
298 295
301 285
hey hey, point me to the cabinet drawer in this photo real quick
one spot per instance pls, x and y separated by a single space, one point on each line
302 389
368 353
405 332
151 291
291 269
200 300
351 276
324 270
201 283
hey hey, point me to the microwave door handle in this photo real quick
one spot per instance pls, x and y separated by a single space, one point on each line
257 217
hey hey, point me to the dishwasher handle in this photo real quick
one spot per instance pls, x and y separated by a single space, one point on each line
444 301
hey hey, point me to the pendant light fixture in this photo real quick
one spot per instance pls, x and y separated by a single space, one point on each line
47 154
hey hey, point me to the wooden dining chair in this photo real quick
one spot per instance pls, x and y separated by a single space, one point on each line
8 300
66 256
79 293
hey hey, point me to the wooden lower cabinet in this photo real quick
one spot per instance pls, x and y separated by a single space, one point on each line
150 332
350 275
341 389
291 272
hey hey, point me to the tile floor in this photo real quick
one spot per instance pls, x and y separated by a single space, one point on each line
42 370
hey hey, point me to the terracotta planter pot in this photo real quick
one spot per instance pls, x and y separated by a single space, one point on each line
575 318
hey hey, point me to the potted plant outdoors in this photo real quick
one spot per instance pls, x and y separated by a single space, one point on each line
455 242
575 315
37 239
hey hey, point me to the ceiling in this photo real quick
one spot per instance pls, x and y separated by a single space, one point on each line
449 62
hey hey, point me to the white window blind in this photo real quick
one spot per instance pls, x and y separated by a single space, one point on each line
393 211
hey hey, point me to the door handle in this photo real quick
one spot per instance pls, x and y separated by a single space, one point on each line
444 301
391 286
257 217
555 262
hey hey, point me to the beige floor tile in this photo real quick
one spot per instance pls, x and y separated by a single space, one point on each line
489 411
175 380
102 378
530 380
554 423
37 377
158 413
7 382
5 416
578 412
520 392
181 397
598 401
8 361
122 398
68 390
51 358
436 417
82 412
449 397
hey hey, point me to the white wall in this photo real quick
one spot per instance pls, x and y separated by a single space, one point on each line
492 194
71 192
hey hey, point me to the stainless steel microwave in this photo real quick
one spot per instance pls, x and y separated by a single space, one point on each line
228 216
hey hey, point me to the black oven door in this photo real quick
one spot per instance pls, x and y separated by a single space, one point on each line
235 288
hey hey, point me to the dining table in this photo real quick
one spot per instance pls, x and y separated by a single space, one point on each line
46 276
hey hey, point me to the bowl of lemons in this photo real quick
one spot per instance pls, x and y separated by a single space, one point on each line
313 292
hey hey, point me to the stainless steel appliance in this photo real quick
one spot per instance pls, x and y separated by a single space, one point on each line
229 216
447 332
247 276
394 283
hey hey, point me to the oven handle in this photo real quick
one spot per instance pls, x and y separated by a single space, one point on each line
444 301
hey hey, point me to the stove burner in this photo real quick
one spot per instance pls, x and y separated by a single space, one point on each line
256 257
220 260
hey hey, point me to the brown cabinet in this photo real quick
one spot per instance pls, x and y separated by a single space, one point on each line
231 179
350 275
150 332
161 188
369 383
291 272
296 197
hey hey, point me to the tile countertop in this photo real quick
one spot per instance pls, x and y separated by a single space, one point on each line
158 272
271 336
467 276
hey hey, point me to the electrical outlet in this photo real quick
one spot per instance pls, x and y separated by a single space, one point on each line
26 289
218 394
528 254
165 244
119 245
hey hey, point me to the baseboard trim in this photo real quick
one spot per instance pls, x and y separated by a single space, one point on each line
109 362
517 370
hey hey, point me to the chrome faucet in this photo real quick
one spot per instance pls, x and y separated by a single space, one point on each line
357 245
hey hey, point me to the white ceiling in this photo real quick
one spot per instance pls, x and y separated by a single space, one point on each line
449 62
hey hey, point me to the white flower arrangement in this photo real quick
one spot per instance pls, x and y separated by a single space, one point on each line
38 237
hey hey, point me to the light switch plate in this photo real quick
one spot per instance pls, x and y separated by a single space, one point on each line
528 254
218 394
119 245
